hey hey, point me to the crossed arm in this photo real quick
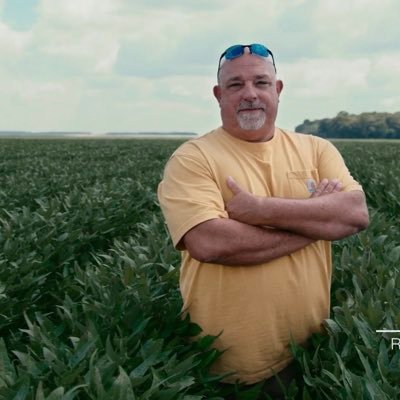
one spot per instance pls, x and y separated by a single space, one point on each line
260 229
329 214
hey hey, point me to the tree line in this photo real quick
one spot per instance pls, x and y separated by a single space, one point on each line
368 125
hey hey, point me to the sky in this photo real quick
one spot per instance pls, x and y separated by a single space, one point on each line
150 65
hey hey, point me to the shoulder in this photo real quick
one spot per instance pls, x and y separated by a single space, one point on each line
305 139
194 153
201 147
287 134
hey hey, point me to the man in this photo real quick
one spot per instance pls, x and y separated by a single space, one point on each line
253 208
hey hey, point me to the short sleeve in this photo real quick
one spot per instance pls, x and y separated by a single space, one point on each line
332 166
188 195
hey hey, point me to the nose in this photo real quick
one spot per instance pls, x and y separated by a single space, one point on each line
249 92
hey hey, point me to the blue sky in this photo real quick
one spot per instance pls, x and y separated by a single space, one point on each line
150 65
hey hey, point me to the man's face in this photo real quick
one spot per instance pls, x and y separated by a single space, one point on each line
248 95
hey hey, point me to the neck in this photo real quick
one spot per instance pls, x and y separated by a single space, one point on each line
260 135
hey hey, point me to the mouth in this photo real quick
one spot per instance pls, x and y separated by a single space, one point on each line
250 109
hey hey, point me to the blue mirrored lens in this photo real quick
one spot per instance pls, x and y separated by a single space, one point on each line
237 50
234 52
259 49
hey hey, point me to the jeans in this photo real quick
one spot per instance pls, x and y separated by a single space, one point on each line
270 388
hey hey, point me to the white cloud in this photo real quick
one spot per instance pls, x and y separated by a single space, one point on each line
12 42
85 34
325 77
40 106
355 26
157 115
128 65
187 88
74 12
91 51
39 92
388 64
106 64
391 104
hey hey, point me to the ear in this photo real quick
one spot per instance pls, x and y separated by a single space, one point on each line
279 86
217 92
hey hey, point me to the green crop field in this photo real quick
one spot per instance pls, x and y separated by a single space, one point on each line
89 299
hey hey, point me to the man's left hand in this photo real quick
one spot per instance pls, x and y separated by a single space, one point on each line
250 209
327 186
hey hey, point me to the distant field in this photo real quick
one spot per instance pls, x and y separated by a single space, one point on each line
397 141
88 135
89 300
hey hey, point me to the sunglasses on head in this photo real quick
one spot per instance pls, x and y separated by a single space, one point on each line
238 50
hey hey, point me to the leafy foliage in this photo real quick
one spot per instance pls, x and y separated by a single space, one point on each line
353 361
363 126
89 299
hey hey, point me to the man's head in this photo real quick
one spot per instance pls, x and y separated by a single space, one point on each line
248 92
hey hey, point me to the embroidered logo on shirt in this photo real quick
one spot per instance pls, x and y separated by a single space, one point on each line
310 183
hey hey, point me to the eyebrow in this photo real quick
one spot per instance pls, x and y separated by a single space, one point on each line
240 78
234 78
263 76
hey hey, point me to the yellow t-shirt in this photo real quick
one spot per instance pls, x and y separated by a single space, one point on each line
257 308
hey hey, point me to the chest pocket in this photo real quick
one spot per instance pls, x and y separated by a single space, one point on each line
302 183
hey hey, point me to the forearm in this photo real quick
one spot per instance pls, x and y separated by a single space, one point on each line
229 242
327 217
